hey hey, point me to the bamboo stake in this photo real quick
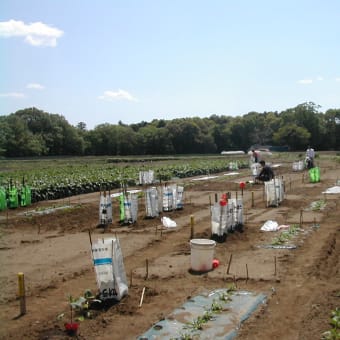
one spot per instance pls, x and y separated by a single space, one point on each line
275 265
247 272
22 295
142 297
229 263
146 269
131 278
301 217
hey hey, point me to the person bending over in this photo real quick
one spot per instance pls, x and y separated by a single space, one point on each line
266 173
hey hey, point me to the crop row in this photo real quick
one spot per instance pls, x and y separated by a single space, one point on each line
49 183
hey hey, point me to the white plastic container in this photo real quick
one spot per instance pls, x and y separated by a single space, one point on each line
202 254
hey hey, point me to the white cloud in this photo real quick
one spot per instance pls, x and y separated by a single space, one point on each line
35 86
337 79
319 78
35 34
305 81
118 95
13 95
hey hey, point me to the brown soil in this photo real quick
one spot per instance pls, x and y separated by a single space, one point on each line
53 251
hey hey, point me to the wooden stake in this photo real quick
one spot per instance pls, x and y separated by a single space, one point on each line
22 295
191 227
146 269
131 278
301 217
142 297
229 263
275 265
247 272
252 199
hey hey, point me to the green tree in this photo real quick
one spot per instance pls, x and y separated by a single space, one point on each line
294 136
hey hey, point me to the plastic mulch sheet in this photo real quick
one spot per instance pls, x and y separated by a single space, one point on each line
224 324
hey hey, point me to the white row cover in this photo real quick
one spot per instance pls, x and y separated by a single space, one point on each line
298 166
105 209
172 197
166 198
274 191
146 177
226 218
109 268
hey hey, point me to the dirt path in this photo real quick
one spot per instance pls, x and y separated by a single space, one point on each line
53 251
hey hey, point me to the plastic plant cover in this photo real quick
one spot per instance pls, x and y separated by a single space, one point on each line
314 175
178 197
146 177
274 191
3 200
25 196
105 209
109 268
168 198
128 207
298 166
151 202
13 199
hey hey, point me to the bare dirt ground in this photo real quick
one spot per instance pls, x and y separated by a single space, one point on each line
53 251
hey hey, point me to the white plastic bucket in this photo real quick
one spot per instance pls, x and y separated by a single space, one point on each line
202 254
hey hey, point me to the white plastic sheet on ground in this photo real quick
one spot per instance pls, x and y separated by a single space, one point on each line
109 268
273 226
204 178
270 226
332 190
168 222
231 174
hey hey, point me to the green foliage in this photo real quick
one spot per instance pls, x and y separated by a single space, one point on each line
32 132
286 235
334 332
54 179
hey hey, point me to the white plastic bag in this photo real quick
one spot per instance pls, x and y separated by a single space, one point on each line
270 226
168 223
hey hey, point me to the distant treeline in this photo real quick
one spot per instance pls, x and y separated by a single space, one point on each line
33 132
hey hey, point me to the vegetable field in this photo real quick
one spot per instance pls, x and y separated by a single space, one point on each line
64 177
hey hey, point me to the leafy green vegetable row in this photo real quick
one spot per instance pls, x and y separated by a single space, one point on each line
48 183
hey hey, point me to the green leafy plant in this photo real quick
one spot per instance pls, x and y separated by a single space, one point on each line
334 333
81 305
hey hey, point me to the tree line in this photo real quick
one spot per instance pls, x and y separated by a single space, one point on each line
32 132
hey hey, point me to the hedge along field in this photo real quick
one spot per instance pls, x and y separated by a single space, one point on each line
54 178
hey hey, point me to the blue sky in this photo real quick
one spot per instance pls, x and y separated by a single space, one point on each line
137 60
